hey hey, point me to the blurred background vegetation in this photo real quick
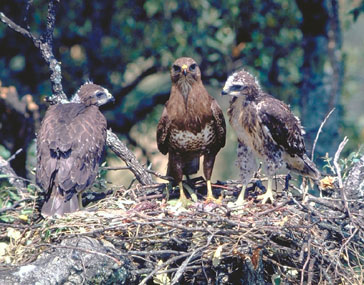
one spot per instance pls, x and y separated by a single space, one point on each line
308 53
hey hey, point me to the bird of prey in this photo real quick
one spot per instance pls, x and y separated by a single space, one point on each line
266 130
70 143
192 125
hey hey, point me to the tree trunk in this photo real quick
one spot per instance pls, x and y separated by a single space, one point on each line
322 72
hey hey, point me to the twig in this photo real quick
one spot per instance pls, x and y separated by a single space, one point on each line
173 259
308 257
159 267
15 205
338 173
159 175
12 157
273 209
319 131
44 44
336 158
115 167
184 264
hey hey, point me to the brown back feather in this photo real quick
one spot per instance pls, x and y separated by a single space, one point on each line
70 143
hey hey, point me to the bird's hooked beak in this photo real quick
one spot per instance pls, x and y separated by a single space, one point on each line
106 98
224 91
184 69
109 97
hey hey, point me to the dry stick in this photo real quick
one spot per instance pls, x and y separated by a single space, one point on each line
173 259
183 266
15 205
319 131
338 173
159 267
308 257
129 158
155 173
147 271
44 44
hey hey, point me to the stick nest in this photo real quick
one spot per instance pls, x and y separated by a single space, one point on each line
319 240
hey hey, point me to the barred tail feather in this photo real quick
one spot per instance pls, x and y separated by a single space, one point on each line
56 205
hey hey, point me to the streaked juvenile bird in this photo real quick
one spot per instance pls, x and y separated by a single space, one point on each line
266 130
70 143
192 125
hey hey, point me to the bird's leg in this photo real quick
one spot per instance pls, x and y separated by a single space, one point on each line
304 187
286 181
208 164
80 200
241 198
268 195
210 196
182 196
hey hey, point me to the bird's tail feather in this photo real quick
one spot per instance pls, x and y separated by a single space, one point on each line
56 205
192 166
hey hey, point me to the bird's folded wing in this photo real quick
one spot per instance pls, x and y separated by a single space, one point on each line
284 128
219 122
163 132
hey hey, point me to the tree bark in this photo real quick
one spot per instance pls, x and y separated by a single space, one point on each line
322 72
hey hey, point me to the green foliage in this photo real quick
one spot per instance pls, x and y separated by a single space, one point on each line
357 11
113 42
8 195
345 163
4 153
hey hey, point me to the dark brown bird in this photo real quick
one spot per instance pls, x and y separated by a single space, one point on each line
70 143
267 130
192 124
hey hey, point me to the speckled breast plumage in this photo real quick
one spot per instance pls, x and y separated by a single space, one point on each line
184 140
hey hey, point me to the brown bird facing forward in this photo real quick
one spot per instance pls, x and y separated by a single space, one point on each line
70 143
266 130
192 124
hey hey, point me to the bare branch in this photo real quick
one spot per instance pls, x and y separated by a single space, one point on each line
18 28
45 46
318 133
129 158
336 158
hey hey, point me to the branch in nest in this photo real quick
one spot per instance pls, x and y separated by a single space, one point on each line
129 158
14 180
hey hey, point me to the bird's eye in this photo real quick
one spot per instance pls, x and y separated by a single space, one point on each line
237 87
100 94
193 67
176 68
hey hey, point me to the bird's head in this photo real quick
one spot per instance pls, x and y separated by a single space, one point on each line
92 94
185 72
241 83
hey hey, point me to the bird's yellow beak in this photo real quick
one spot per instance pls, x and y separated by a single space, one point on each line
184 69
225 91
